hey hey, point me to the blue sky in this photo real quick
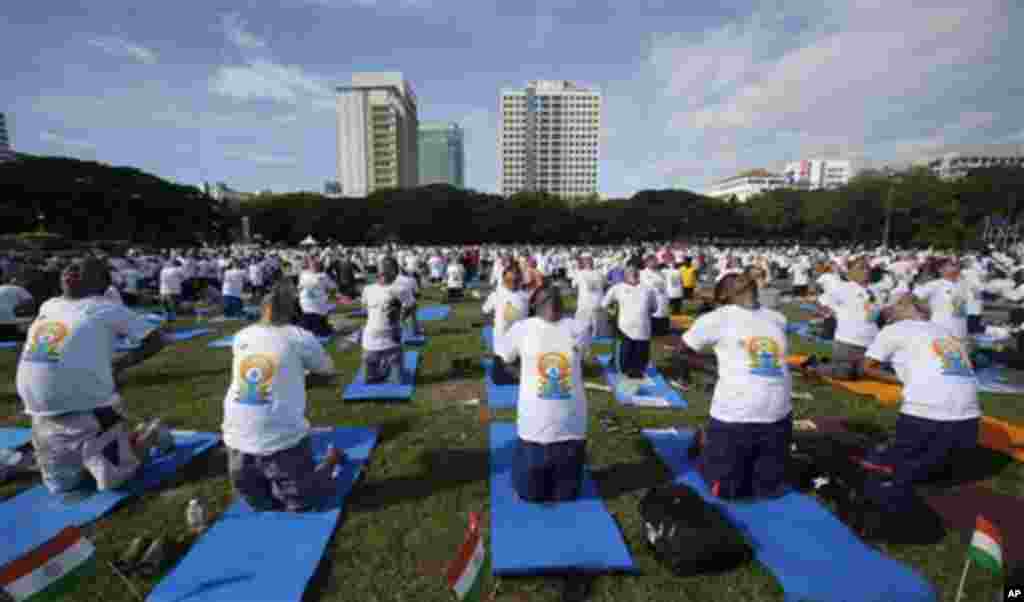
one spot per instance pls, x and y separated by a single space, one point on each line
242 92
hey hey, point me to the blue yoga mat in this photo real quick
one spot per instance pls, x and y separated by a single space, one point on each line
359 390
228 565
176 336
12 345
12 437
432 313
660 389
410 338
803 330
36 515
808 550
808 307
359 313
993 380
488 336
531 538
499 396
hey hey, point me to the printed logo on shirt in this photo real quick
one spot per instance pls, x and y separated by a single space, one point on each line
764 355
46 342
953 357
554 376
872 311
510 314
255 377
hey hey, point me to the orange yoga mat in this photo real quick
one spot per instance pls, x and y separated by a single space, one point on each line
682 321
887 394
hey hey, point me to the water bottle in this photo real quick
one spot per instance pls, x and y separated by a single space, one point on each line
195 516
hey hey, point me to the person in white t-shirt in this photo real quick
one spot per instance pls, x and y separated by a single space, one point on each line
314 285
509 303
745 447
651 277
270 454
172 279
410 284
947 298
436 266
938 423
552 406
636 304
258 277
232 287
132 279
674 286
590 285
456 278
15 300
67 379
801 274
382 336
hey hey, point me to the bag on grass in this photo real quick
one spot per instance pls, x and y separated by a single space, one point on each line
688 535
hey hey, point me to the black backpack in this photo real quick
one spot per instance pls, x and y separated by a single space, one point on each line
689 535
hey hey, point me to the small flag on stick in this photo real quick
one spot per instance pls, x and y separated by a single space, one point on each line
466 575
987 546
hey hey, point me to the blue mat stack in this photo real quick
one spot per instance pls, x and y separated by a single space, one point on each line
358 390
660 389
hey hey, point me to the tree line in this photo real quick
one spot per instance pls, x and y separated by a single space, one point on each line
91 201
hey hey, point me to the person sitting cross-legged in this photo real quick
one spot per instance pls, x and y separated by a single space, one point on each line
270 455
552 414
67 380
386 306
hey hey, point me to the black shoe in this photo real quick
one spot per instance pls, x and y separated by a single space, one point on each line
576 588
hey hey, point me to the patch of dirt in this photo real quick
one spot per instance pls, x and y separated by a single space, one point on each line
456 391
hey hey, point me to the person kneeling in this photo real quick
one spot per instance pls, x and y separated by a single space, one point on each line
382 336
509 304
744 449
66 379
552 417
270 454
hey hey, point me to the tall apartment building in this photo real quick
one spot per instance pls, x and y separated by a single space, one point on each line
6 154
955 162
441 154
815 174
549 139
377 134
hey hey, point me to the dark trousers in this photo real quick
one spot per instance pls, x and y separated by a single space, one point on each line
317 324
383 366
233 306
687 293
741 459
661 326
632 357
920 450
285 480
130 299
503 374
974 325
676 305
551 472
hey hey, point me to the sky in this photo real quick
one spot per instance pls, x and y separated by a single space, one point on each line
244 92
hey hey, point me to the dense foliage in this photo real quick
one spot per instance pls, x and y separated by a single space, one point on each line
90 201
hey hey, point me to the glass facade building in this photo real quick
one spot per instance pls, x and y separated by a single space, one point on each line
441 154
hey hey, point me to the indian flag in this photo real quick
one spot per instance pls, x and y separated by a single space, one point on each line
466 574
987 546
52 571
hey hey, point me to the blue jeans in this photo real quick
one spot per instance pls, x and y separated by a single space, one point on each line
551 472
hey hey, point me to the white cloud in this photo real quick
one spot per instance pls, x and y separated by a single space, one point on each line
262 159
235 30
55 138
263 79
123 48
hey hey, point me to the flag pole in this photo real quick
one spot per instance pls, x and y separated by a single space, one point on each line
963 579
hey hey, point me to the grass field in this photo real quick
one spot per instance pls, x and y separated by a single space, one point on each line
407 516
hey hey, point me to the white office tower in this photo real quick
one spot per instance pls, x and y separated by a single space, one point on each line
815 174
377 134
6 154
549 139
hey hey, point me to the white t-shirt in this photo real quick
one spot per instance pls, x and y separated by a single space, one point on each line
938 378
113 295
456 275
12 296
673 283
754 383
378 334
131 278
508 308
436 265
552 404
828 280
801 273
66 362
256 274
407 282
234 283
171 279
656 282
590 286
856 309
265 406
948 304
636 306
313 292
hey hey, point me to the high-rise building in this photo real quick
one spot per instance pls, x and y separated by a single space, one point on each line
815 174
6 154
956 161
549 139
441 154
377 128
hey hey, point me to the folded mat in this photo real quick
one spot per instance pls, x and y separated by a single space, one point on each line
183 334
36 515
655 393
359 390
222 566
810 552
499 396
433 312
229 340
1002 436
14 437
531 538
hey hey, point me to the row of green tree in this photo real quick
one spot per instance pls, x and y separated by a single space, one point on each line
91 201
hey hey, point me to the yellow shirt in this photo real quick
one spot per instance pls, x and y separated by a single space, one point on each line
689 275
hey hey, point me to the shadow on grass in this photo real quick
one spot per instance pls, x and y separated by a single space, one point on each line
443 469
623 478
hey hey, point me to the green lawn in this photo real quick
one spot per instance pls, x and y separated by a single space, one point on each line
407 516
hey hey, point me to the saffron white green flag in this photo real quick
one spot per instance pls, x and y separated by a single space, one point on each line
466 575
52 571
987 546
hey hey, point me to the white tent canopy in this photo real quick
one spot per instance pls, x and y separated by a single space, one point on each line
309 240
